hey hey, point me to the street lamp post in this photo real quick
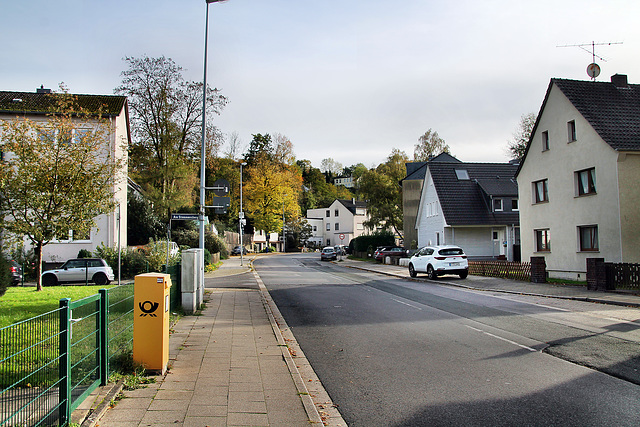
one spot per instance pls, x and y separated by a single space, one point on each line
204 133
284 241
241 220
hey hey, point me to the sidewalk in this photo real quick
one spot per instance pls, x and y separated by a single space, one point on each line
578 293
229 366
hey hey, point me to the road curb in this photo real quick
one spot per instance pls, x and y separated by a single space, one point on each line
296 361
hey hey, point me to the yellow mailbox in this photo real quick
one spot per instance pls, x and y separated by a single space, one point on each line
151 321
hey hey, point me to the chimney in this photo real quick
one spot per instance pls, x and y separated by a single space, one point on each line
619 80
41 89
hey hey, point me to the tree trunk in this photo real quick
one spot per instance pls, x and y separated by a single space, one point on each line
38 251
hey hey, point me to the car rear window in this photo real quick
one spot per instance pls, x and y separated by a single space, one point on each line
451 251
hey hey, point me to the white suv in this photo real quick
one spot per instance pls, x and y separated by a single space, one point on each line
437 260
94 270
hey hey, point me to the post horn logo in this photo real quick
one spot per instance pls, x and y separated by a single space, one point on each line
148 307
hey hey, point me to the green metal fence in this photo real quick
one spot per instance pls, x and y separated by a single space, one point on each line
50 363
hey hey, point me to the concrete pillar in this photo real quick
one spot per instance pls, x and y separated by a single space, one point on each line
538 269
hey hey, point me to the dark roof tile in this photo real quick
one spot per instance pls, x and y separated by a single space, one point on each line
41 103
466 202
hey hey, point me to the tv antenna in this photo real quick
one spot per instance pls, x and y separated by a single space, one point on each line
593 69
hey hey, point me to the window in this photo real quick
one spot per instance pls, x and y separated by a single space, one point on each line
543 242
514 205
585 182
328 213
588 236
540 191
497 205
571 130
328 227
315 228
337 226
545 140
335 213
462 174
359 226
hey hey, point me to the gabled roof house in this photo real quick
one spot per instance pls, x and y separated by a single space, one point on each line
473 205
110 230
579 178
339 223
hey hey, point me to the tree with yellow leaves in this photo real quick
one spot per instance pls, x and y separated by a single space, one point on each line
269 188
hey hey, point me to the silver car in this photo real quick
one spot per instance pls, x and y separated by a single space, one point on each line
94 270
438 260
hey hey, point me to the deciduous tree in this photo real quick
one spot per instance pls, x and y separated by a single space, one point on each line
58 174
520 138
429 145
166 121
383 193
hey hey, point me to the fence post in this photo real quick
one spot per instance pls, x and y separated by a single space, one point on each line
595 273
64 393
104 336
538 269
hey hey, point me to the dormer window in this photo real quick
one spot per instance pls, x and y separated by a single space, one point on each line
497 205
462 174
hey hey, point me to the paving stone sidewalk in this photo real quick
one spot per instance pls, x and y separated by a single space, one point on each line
226 369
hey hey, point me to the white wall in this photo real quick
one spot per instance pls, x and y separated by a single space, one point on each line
565 211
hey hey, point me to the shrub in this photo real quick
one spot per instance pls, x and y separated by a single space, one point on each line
379 238
83 253
5 274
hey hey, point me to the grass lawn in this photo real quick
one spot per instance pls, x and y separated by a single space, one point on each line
21 303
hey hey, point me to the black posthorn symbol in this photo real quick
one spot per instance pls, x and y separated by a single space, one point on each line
148 307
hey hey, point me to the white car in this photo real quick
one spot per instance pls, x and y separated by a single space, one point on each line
94 270
438 260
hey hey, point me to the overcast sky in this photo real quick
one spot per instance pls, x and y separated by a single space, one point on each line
346 79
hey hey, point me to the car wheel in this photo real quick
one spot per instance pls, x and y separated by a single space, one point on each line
412 271
100 279
431 273
49 280
464 274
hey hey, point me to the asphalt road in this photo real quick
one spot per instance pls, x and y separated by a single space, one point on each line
392 352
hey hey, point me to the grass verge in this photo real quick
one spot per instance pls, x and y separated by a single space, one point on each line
21 303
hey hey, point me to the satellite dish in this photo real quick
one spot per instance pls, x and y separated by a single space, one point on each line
593 70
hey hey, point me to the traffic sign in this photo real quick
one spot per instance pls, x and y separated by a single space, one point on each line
341 236
220 202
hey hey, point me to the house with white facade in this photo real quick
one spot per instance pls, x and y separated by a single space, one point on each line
111 229
339 223
473 205
579 178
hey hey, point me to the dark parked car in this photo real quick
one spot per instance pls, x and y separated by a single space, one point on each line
394 252
16 273
236 250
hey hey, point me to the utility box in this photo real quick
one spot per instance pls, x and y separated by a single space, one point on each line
151 321
192 281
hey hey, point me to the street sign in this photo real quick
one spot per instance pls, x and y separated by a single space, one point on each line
185 216
220 187
341 236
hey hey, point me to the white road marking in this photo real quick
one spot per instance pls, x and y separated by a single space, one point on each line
406 303
502 339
